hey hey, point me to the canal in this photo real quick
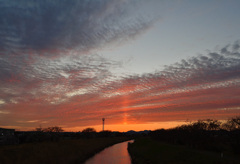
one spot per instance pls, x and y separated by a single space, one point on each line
116 154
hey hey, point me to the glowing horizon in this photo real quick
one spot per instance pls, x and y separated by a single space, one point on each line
124 127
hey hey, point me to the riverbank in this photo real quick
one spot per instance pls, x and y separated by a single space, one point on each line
62 152
146 150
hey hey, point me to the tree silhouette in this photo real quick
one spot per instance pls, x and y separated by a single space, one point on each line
89 130
213 124
232 124
53 129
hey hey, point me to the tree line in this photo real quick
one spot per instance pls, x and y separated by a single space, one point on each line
213 135
56 133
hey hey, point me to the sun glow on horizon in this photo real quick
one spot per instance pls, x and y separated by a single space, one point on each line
127 127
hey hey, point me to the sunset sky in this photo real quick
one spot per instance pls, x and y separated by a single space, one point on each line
140 64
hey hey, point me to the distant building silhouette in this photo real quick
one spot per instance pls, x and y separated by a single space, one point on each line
7 136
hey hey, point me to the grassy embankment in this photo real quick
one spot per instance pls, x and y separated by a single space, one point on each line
148 151
65 151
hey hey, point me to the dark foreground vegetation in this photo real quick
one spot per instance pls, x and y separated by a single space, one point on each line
61 152
186 143
149 151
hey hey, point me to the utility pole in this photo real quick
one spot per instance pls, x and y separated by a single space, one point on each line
103 119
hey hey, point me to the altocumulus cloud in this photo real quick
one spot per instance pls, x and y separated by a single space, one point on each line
47 53
206 86
66 25
51 73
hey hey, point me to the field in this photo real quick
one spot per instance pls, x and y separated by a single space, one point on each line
65 151
149 151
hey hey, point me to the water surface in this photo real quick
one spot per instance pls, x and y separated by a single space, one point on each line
116 154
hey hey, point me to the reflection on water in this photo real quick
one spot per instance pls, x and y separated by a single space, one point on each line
116 154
